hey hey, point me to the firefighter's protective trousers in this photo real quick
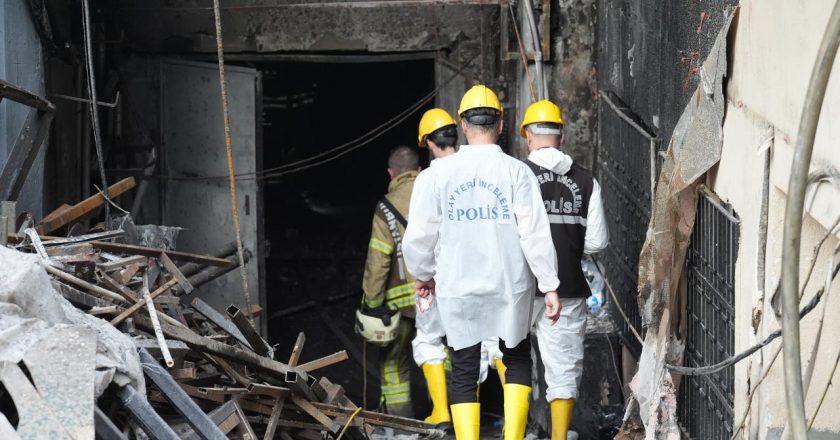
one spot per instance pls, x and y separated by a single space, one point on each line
395 377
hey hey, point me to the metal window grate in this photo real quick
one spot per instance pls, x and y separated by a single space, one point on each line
624 172
705 405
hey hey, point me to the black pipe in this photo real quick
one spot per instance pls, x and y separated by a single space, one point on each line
190 269
142 413
200 422
105 428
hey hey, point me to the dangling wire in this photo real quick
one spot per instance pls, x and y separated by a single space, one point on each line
364 374
522 54
94 111
229 151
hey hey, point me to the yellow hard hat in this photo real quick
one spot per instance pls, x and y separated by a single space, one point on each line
479 97
541 111
431 121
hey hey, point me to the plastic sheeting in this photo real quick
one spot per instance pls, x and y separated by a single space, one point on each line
71 357
694 148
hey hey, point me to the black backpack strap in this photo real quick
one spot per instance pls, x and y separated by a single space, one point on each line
390 212
390 207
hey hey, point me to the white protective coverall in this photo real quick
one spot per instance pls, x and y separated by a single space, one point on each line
561 344
485 209
428 346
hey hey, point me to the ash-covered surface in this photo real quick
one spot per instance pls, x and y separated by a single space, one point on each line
572 79
256 26
650 53
54 359
163 237
600 406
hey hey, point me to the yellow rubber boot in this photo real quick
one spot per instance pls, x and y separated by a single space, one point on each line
436 381
501 368
516 410
466 418
561 416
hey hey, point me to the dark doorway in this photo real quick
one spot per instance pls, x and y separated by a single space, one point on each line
318 220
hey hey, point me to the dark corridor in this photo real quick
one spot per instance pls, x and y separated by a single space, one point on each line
317 221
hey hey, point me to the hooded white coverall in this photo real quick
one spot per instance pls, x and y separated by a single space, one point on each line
561 344
428 346
485 209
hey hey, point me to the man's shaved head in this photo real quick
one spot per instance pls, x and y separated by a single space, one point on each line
403 159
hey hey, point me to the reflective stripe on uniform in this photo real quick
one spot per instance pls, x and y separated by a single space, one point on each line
392 370
381 246
397 393
400 296
566 219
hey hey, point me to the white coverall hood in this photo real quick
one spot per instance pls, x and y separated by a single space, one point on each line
552 159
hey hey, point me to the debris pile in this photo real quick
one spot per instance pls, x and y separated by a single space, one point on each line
85 320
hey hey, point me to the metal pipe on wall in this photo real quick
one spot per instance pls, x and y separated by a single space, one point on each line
542 89
793 225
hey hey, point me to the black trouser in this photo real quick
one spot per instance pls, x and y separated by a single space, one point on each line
466 368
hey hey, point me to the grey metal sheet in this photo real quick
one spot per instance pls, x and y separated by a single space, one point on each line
194 146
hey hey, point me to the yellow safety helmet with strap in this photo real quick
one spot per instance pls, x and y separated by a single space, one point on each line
543 111
479 96
431 121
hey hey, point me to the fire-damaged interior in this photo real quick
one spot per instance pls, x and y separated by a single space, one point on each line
253 201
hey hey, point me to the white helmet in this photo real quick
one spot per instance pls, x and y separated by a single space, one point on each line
378 330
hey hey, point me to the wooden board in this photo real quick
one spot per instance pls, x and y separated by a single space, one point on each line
53 222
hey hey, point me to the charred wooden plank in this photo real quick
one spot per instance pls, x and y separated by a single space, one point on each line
84 207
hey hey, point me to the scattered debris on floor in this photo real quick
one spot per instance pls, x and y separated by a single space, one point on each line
87 320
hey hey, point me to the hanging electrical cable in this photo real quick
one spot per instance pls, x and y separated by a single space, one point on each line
812 106
523 54
94 111
229 155
334 153
542 89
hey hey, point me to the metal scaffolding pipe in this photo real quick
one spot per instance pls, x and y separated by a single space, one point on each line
190 269
142 413
542 90
793 225
183 403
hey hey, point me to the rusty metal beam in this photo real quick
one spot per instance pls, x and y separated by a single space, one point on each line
213 347
218 415
85 207
215 317
173 270
82 238
200 422
244 325
155 252
325 361
273 420
141 302
375 418
105 428
297 349
316 414
142 413
268 390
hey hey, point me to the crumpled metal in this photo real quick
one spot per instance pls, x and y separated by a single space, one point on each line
695 147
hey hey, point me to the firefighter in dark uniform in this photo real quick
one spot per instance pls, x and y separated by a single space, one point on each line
572 200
